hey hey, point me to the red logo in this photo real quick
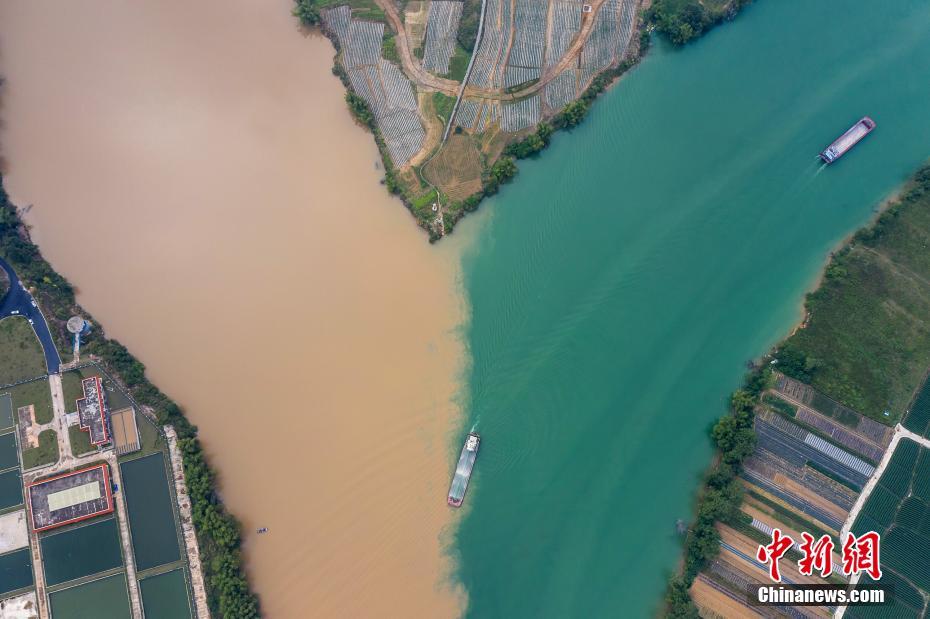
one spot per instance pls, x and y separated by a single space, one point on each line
773 552
860 554
817 555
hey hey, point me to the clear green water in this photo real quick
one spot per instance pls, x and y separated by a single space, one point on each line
82 551
165 596
621 284
151 517
106 598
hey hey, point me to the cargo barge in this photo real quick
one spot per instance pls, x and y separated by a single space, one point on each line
849 139
463 469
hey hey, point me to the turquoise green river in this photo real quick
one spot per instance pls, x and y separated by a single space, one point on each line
620 285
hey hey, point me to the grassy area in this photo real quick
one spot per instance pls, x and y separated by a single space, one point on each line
71 387
45 453
780 405
22 354
443 104
867 343
458 64
80 441
389 48
36 393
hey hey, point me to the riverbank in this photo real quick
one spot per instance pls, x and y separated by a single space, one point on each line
863 344
421 189
218 531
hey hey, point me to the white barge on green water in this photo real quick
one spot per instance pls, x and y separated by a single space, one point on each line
463 469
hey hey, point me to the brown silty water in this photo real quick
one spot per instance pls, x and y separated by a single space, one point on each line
193 169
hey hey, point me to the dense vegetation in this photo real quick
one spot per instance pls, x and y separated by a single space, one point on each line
443 104
721 495
217 530
867 340
468 24
684 20
306 11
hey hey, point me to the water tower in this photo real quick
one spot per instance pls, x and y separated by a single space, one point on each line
78 327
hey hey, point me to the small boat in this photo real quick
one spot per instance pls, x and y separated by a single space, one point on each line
845 142
463 469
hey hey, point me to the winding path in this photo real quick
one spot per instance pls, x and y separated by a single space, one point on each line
18 302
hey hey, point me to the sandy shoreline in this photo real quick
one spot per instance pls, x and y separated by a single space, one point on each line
208 192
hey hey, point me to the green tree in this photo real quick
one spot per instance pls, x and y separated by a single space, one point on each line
308 14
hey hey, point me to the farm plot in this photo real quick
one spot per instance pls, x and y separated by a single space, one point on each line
441 28
529 33
807 395
609 38
560 91
841 435
520 115
337 21
489 115
495 41
564 25
779 471
380 83
468 113
800 447
514 76
363 43
899 510
456 170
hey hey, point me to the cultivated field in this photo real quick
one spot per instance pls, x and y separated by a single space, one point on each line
456 170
